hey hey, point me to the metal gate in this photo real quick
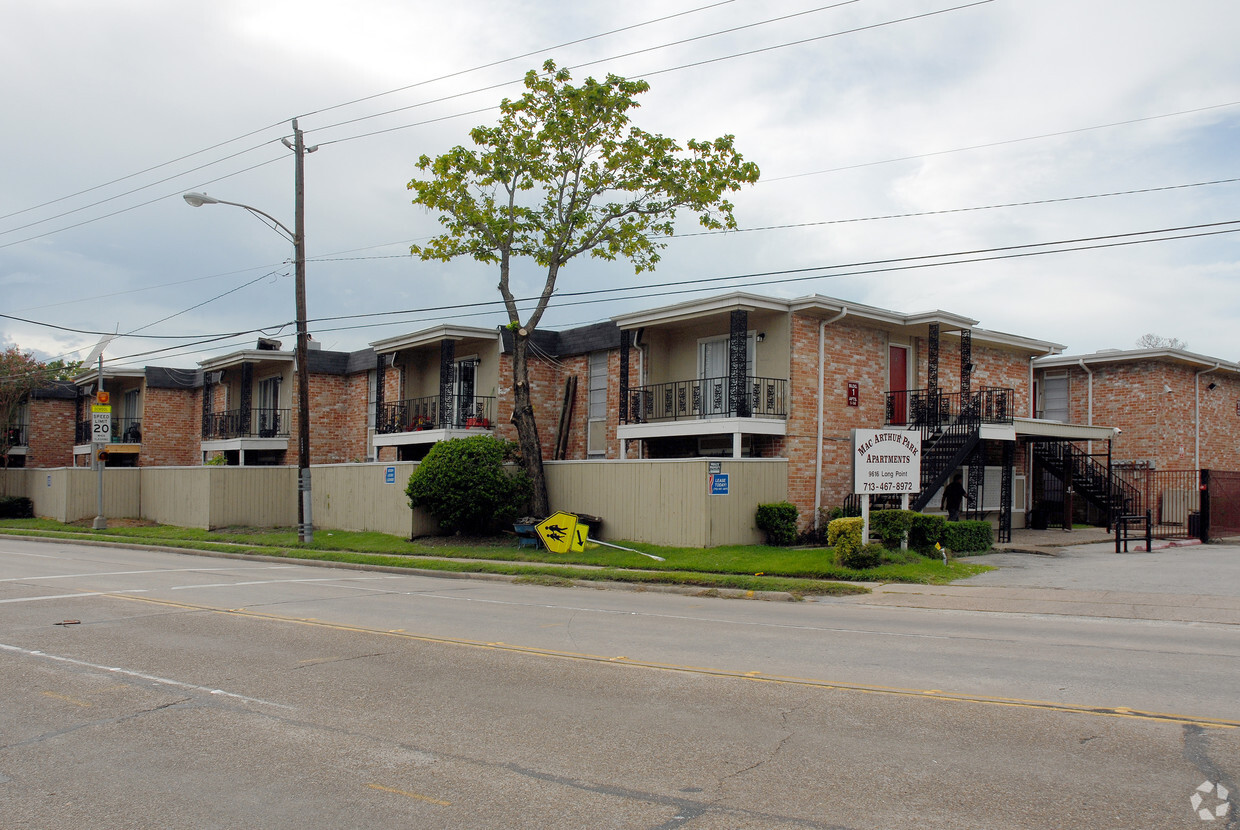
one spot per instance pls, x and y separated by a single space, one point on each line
1173 498
1220 503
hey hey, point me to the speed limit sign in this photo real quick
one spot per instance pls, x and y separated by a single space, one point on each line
101 424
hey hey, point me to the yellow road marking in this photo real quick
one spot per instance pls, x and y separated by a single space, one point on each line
67 699
934 694
407 794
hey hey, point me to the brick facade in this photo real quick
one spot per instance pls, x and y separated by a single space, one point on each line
1153 401
50 432
171 428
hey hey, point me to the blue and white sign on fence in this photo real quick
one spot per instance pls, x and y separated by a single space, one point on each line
389 475
718 484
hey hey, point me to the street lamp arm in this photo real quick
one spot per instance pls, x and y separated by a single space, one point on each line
200 199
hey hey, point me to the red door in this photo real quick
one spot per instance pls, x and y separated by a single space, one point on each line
897 384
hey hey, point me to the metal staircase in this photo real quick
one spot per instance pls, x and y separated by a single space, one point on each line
944 448
1089 479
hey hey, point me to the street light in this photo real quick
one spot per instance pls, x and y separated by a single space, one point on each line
305 523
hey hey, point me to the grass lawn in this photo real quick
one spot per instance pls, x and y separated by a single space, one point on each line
746 568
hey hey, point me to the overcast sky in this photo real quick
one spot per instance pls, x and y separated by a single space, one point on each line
886 130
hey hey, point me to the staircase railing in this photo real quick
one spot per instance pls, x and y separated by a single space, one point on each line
1094 481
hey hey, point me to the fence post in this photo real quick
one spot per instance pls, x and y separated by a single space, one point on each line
1149 531
1203 510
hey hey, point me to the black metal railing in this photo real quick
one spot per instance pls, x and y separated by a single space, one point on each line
922 408
246 423
708 398
466 412
124 431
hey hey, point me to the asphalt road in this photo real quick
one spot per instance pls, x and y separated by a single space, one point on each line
199 692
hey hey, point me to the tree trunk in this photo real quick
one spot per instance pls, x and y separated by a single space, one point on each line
527 427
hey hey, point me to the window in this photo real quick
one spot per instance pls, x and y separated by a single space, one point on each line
596 441
1054 398
714 374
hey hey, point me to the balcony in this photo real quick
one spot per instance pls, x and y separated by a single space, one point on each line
425 414
681 400
924 408
16 436
243 423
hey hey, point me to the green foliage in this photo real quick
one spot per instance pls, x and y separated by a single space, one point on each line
845 535
925 531
779 521
860 557
967 537
463 484
20 374
891 525
564 174
217 460
16 507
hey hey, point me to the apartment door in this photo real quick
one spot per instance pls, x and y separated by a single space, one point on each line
897 384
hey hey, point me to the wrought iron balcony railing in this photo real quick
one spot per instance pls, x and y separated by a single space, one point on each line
923 408
16 435
124 431
466 412
708 398
246 423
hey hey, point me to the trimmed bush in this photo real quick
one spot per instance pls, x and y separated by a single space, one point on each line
861 557
967 537
925 531
891 525
779 521
16 507
463 484
844 535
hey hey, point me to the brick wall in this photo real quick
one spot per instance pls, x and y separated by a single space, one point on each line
51 430
1158 426
171 428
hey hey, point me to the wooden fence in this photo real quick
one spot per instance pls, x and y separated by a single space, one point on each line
663 502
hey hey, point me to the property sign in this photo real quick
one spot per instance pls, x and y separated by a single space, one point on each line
719 484
854 394
100 424
562 532
389 475
886 461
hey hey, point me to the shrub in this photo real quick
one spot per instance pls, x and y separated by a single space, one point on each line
844 535
463 484
967 537
891 525
16 507
925 531
861 557
779 521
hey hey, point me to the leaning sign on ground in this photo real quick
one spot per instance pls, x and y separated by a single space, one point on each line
886 461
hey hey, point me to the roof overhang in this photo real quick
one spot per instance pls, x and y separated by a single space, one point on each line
431 336
92 375
696 309
247 356
1039 428
1198 361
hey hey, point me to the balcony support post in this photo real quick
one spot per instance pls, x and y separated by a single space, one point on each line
738 353
447 356
966 362
623 414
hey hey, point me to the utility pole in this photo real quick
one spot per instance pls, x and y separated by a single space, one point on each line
305 520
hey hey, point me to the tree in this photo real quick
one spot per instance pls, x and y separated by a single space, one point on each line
565 174
1154 341
20 374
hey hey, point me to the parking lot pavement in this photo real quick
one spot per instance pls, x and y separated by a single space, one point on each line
1199 583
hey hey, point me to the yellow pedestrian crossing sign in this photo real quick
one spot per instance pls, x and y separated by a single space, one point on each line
562 532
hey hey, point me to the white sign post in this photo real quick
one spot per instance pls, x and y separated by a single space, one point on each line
885 461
